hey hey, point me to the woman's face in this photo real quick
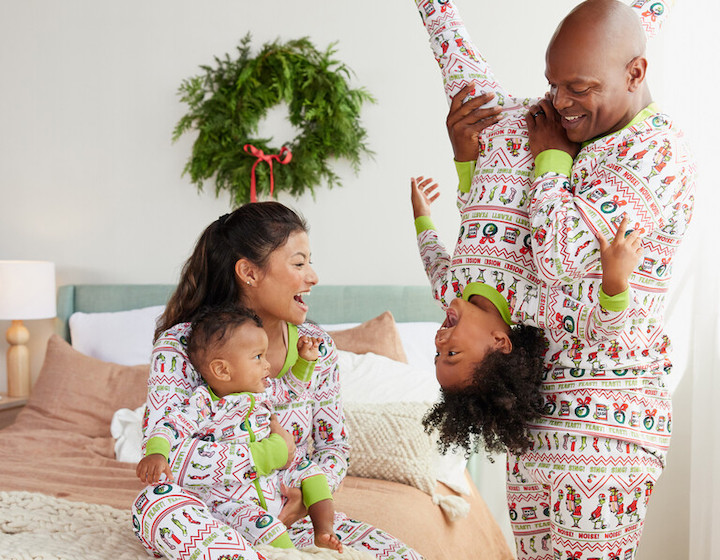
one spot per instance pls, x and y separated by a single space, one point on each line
281 285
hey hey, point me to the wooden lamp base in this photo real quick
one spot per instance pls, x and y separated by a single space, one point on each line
18 360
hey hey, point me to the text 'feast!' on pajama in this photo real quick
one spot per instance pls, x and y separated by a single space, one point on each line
528 231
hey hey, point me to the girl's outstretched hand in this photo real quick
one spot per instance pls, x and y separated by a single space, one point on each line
619 258
423 192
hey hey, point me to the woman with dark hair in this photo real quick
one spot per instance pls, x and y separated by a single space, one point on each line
257 256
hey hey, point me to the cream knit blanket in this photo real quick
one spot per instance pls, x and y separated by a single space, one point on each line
39 527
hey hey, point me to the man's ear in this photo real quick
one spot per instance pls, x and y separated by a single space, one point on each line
247 272
219 369
636 71
502 342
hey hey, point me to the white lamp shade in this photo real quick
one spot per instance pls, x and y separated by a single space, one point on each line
27 290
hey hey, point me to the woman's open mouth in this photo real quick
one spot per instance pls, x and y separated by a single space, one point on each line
299 298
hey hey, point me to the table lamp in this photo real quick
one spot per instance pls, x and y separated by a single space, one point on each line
27 291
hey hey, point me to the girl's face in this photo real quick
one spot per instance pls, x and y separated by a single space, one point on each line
281 285
471 331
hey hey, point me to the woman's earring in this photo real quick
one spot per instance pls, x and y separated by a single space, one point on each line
248 282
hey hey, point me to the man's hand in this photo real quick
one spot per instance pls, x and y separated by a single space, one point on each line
466 120
276 428
545 130
423 192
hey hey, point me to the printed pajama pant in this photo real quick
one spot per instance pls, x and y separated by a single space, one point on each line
173 523
580 498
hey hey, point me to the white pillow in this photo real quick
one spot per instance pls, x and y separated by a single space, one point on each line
121 337
125 427
418 340
417 337
372 379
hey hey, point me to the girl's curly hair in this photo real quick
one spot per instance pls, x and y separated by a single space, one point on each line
495 408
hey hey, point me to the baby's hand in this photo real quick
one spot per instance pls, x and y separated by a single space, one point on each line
151 467
308 348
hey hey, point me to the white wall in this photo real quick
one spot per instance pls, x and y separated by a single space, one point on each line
91 180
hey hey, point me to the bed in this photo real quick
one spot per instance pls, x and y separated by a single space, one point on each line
60 455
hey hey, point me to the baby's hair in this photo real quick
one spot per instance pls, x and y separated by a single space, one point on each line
503 397
209 330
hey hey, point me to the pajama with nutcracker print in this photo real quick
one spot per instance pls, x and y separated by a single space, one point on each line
607 415
177 523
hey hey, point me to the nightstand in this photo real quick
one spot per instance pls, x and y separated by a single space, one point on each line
9 408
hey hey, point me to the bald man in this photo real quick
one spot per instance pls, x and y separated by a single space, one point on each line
602 150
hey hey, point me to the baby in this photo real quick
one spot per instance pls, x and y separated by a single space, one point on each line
228 348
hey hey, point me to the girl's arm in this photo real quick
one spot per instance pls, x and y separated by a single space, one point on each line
605 319
646 178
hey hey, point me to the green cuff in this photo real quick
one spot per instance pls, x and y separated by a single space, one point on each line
480 289
283 541
315 489
269 454
556 161
158 445
303 370
465 171
423 223
617 302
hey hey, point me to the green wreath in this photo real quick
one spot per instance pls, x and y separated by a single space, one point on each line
227 102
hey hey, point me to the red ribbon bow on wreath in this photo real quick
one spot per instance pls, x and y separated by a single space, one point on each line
283 157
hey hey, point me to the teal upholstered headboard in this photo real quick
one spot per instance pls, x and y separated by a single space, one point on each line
328 304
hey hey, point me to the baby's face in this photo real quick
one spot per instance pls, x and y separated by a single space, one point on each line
470 332
246 353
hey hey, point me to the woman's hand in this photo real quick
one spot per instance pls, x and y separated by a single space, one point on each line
466 120
545 131
276 428
423 192
294 509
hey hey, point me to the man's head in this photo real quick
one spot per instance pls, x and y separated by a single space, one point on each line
595 65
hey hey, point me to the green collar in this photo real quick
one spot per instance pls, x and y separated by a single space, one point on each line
641 116
292 353
480 289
